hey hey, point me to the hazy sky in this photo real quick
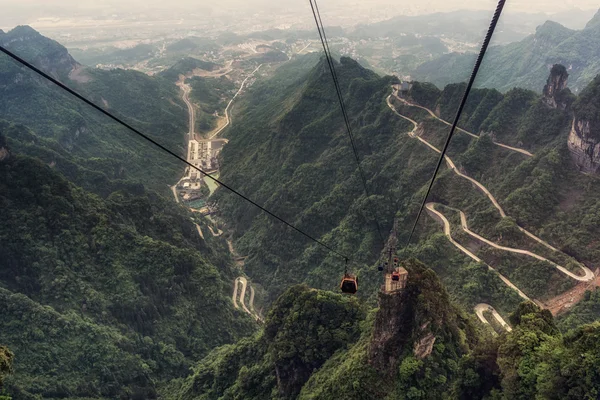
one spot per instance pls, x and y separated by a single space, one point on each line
338 12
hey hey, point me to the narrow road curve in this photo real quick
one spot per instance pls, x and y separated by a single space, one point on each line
244 283
199 231
217 233
453 167
522 151
588 274
481 307
431 208
228 120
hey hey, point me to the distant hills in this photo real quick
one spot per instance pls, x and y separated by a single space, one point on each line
525 63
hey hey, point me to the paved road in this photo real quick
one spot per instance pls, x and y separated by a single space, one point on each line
481 307
200 231
522 151
244 282
217 233
452 166
211 135
588 274
186 99
431 208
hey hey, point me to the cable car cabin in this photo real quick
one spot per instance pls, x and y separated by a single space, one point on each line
395 281
349 284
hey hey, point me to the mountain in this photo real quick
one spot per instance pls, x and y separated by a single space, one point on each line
319 345
117 294
416 344
525 64
45 53
74 137
289 151
132 55
107 288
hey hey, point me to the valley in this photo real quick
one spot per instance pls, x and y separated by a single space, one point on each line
141 278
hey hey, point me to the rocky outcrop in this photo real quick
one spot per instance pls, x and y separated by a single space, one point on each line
556 84
392 332
584 138
584 146
411 322
4 153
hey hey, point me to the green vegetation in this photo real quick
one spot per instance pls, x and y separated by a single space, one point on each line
303 330
584 312
186 66
69 134
123 283
211 96
320 346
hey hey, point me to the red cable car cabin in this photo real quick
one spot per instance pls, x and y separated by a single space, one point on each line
349 284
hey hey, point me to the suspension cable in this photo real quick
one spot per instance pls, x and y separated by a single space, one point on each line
160 146
321 29
484 46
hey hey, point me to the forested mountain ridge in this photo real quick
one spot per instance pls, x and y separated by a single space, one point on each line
118 294
107 288
525 64
68 133
416 345
289 150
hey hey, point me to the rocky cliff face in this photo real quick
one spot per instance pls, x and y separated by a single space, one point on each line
584 138
412 322
584 146
555 85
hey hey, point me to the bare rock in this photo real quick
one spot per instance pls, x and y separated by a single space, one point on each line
584 146
555 85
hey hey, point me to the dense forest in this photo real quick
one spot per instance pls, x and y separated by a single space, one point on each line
417 345
107 288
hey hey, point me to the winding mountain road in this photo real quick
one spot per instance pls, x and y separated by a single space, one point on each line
588 274
217 233
431 208
213 134
482 307
395 94
244 283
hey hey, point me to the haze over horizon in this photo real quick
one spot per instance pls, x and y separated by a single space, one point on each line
290 13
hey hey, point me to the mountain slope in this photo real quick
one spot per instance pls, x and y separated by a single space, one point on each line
116 294
76 132
415 345
525 64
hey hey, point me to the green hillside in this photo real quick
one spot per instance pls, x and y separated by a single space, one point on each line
316 345
65 131
525 64
289 151
104 297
